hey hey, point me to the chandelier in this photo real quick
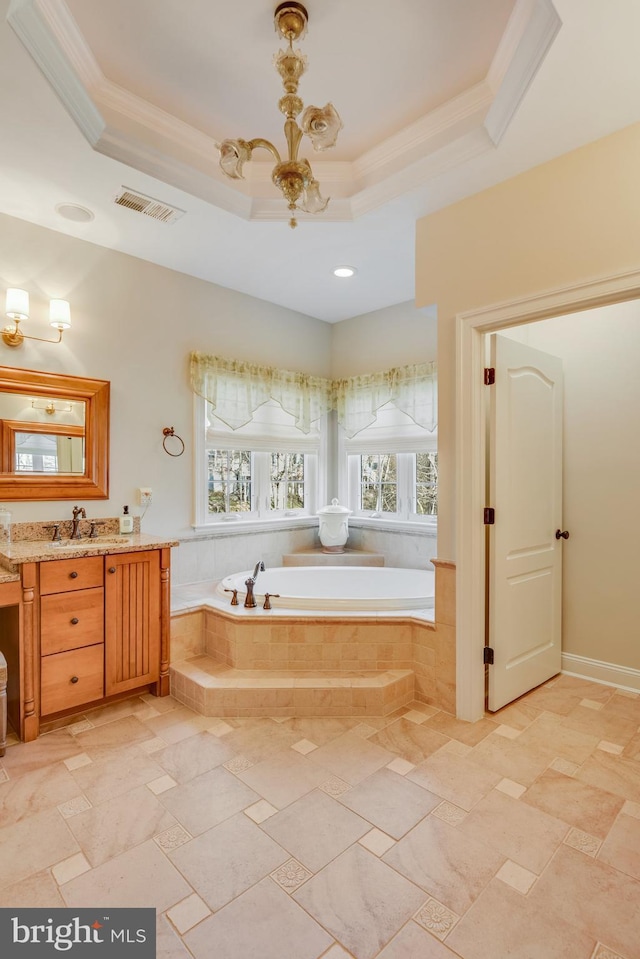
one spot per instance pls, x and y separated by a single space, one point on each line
293 176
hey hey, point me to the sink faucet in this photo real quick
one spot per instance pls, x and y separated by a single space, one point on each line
79 512
250 599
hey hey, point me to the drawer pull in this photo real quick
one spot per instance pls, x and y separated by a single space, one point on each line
75 621
74 679
73 575
112 569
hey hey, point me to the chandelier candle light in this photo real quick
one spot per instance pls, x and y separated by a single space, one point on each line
293 177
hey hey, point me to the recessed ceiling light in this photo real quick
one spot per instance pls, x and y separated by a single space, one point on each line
75 212
345 271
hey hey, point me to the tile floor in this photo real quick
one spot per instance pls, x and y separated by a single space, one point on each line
409 837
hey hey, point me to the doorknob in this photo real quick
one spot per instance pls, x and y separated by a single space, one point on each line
562 534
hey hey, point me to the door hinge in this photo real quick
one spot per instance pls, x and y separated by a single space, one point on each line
488 656
489 375
489 516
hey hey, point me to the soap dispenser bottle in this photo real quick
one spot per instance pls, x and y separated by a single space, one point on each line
126 521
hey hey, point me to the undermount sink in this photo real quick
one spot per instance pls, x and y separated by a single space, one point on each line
87 543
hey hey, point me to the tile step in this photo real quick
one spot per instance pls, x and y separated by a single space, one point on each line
214 689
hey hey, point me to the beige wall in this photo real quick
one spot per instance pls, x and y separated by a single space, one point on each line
600 350
394 336
134 324
570 220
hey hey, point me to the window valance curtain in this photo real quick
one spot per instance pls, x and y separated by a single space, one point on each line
412 389
236 389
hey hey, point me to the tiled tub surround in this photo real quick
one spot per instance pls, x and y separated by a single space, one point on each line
230 661
204 557
411 836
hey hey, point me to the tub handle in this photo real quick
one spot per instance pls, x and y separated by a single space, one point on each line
267 599
234 598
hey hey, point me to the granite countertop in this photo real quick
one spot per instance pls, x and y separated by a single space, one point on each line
7 577
41 551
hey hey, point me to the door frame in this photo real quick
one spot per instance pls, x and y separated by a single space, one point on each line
470 452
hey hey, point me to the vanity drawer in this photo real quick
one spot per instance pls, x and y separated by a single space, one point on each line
71 679
71 620
61 575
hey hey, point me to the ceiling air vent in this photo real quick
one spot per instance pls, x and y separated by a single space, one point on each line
147 205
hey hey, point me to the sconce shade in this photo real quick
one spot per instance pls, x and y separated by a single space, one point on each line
17 307
59 314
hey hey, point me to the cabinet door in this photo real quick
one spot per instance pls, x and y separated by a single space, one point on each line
132 620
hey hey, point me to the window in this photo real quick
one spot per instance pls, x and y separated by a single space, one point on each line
263 472
379 482
287 481
229 481
389 470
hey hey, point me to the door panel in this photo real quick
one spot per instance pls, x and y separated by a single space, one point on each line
525 489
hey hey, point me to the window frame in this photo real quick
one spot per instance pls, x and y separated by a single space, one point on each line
261 441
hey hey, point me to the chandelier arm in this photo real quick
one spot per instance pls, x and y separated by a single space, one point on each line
293 133
266 145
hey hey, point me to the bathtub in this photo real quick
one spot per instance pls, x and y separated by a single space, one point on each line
338 587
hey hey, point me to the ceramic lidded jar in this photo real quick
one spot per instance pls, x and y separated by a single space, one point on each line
334 527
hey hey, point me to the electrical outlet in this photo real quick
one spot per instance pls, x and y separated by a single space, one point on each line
145 496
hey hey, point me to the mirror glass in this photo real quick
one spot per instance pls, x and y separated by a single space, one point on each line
54 436
45 435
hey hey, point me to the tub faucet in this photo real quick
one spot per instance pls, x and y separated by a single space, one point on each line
249 599
79 512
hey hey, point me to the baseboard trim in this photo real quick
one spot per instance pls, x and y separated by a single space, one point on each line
607 673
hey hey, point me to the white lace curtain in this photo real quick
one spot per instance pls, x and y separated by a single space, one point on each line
412 389
236 389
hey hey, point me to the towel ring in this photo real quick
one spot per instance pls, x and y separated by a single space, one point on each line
167 432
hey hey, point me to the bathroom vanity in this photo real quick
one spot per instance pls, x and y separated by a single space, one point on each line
83 623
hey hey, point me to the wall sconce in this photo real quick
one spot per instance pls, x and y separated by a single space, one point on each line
51 406
17 309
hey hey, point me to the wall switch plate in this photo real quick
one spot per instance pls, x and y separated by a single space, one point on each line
145 496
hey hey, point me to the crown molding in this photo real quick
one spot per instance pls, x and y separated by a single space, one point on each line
36 24
133 131
532 28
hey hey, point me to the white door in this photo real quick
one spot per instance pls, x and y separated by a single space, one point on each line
525 490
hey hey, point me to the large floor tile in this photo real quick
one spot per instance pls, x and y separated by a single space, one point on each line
595 897
35 791
502 923
360 901
100 740
390 802
412 942
29 757
450 865
33 844
621 848
39 890
468 733
208 800
585 807
411 741
123 770
351 757
315 829
320 730
193 756
168 943
139 877
284 777
227 860
260 739
451 777
119 824
511 758
519 832
613 774
264 922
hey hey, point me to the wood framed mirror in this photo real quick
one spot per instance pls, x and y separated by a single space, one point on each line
54 436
